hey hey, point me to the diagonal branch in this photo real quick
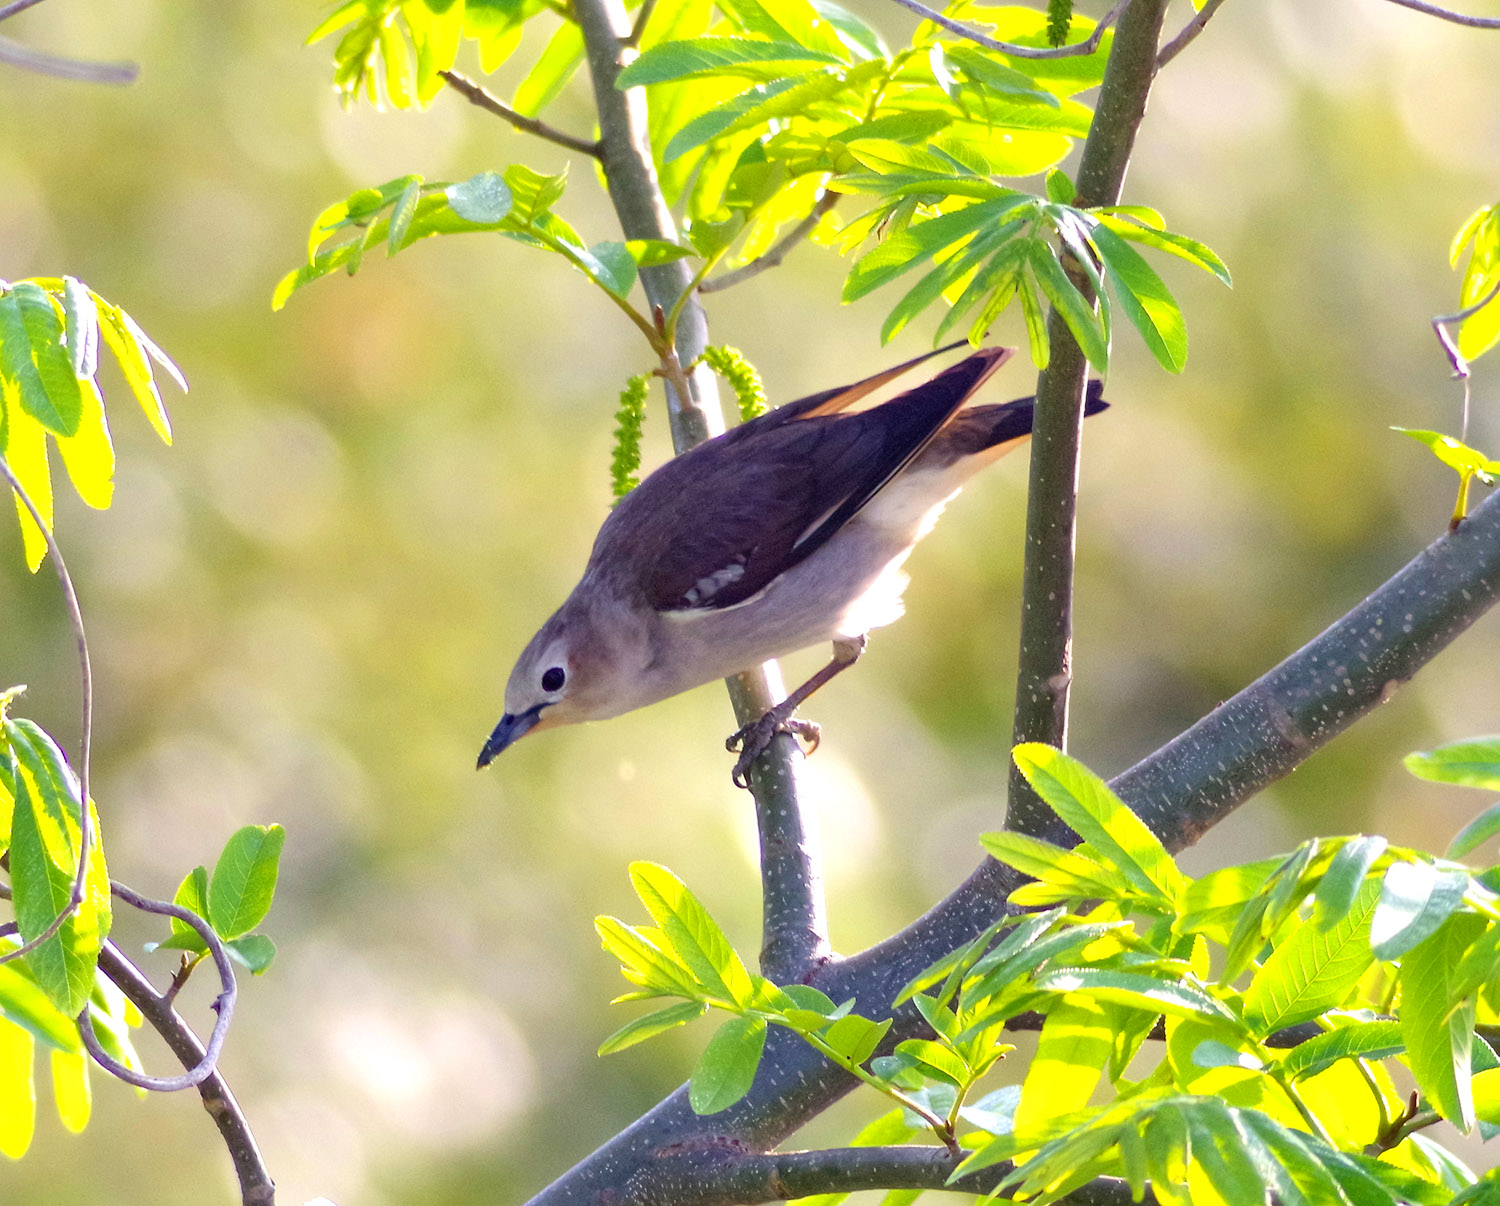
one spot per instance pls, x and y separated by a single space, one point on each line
773 257
736 1178
1445 14
795 923
1191 30
490 103
1182 789
1073 50
39 61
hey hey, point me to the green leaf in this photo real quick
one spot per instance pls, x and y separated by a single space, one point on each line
1072 870
1362 1040
129 346
17 1091
485 198
1473 835
1176 997
1457 455
936 1061
1313 970
1086 325
727 1069
24 1004
855 1037
1147 302
935 283
643 962
1213 1054
1415 899
648 253
551 72
1039 343
695 936
1341 883
649 1026
715 56
1071 1054
1472 763
1438 1030
70 1088
401 216
192 894
1130 223
44 857
919 242
244 880
749 108
1101 818
611 267
254 952
34 361
81 328
1480 965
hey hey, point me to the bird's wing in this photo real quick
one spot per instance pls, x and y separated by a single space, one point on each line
719 523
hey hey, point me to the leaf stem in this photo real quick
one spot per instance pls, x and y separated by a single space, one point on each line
86 837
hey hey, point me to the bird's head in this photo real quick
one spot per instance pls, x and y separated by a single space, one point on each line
580 666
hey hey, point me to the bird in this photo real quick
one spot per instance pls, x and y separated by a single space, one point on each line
784 532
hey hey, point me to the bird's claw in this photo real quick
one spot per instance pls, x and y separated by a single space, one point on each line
752 740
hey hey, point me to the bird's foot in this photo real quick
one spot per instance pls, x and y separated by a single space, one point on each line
752 740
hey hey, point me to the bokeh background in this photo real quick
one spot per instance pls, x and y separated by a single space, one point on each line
304 611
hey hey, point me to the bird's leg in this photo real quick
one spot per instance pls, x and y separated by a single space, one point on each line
751 741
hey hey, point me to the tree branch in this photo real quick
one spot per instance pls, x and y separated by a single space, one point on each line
1087 46
256 1186
1045 671
795 926
477 95
19 55
773 258
726 1177
1182 789
1444 14
1191 30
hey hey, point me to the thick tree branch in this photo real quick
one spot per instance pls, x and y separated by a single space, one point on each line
795 925
1045 672
1444 14
476 95
1189 784
726 1177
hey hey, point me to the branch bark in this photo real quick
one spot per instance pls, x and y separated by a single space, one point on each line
794 913
1182 789
1045 672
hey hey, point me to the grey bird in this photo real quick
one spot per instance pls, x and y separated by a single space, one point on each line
786 531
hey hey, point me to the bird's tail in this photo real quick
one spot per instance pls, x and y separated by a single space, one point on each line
990 430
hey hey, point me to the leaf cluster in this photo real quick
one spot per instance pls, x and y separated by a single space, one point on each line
1285 990
50 330
758 110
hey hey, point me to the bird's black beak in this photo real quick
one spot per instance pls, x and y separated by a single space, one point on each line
512 728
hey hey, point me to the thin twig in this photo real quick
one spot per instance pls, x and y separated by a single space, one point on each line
86 735
1191 30
1088 46
476 95
223 1004
256 1186
19 55
7 11
1443 321
639 28
773 257
1444 14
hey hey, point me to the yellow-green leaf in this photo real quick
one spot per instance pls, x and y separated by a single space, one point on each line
17 1091
70 1089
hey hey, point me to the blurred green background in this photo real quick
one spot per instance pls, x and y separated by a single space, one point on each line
305 610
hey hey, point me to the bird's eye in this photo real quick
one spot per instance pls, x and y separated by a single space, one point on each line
553 679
